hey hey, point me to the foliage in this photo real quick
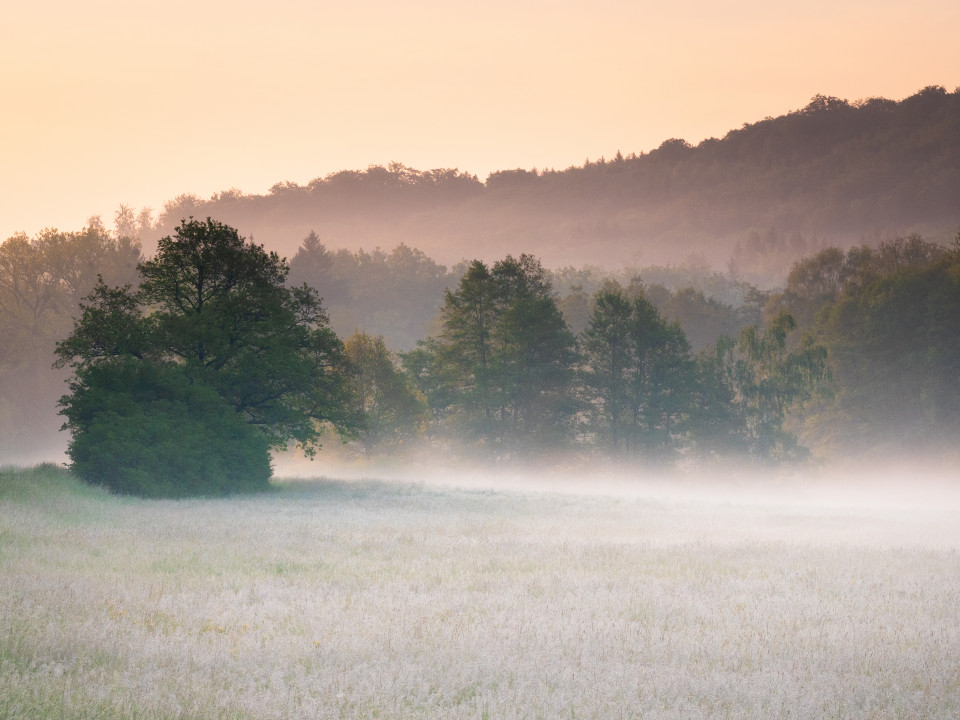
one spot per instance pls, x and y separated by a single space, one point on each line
703 319
220 307
717 427
765 379
891 329
501 370
392 408
706 303
822 279
498 369
42 279
831 172
395 295
213 312
142 428
638 375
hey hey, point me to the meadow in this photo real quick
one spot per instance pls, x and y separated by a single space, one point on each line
387 599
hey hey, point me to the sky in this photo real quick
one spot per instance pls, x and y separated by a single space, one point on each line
110 101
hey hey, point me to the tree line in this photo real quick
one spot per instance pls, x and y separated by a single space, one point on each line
396 295
858 354
764 195
42 281
185 383
217 352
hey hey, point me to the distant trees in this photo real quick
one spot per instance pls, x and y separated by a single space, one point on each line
638 374
211 334
501 371
832 172
392 294
42 279
888 318
392 408
215 348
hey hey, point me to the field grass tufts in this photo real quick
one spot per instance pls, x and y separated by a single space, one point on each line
370 599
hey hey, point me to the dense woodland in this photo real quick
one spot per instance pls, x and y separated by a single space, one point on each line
834 173
857 354
797 348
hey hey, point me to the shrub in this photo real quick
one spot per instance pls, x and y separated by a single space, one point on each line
143 428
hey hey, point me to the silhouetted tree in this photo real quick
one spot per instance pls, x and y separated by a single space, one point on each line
213 310
639 375
501 371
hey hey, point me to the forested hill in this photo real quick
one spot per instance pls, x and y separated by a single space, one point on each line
832 173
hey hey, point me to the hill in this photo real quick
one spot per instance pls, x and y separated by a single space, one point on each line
832 173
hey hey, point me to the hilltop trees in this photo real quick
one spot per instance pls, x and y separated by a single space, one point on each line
833 172
212 349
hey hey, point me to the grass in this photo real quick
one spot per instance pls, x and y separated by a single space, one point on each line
365 599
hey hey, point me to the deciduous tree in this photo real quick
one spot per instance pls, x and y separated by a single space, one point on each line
503 366
392 408
766 379
214 309
638 373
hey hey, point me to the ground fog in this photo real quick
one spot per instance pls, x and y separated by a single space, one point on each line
391 599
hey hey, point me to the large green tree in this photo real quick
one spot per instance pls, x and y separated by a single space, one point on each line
638 374
764 379
501 371
213 310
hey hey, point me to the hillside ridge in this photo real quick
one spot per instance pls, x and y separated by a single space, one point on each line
832 173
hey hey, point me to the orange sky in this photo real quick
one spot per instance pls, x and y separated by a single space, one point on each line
107 102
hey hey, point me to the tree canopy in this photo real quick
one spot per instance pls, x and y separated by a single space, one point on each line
762 196
501 371
888 319
638 373
41 281
210 351
212 318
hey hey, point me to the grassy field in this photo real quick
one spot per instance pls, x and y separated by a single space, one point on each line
365 599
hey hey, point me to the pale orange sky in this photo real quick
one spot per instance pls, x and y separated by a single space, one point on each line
107 102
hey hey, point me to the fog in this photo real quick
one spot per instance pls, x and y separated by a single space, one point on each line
718 264
894 503
416 584
463 593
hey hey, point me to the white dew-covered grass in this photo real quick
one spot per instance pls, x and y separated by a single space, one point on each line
371 599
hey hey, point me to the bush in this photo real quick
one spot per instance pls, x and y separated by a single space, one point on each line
143 428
